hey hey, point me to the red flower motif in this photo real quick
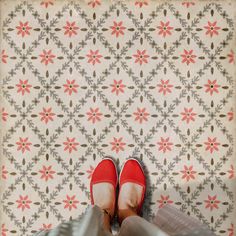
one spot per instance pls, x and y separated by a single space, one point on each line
70 202
70 86
212 87
90 172
46 227
231 56
141 3
23 202
47 173
23 87
94 115
164 200
188 115
4 114
117 145
46 3
93 3
231 172
164 145
141 115
47 57
23 29
70 29
211 145
4 230
46 115
4 172
117 28
164 87
188 57
212 202
4 56
230 115
231 230
94 57
141 57
23 145
188 4
117 87
164 29
70 145
188 173
212 28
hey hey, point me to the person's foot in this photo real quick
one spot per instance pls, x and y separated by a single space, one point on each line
103 189
132 189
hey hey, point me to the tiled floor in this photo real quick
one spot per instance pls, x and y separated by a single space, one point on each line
86 79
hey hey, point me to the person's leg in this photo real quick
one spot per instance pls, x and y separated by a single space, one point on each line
169 221
91 223
132 190
130 200
96 221
176 223
103 189
131 196
135 225
103 195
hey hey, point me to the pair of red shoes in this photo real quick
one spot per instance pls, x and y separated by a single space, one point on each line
106 172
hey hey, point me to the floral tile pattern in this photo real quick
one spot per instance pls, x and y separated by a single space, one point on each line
82 80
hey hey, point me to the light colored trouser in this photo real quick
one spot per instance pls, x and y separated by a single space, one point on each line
168 219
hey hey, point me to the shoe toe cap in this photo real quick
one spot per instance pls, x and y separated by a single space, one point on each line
132 170
106 171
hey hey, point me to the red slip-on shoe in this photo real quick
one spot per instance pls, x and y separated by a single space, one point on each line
105 172
132 171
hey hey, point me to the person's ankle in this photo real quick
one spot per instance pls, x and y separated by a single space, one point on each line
105 203
124 213
107 221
